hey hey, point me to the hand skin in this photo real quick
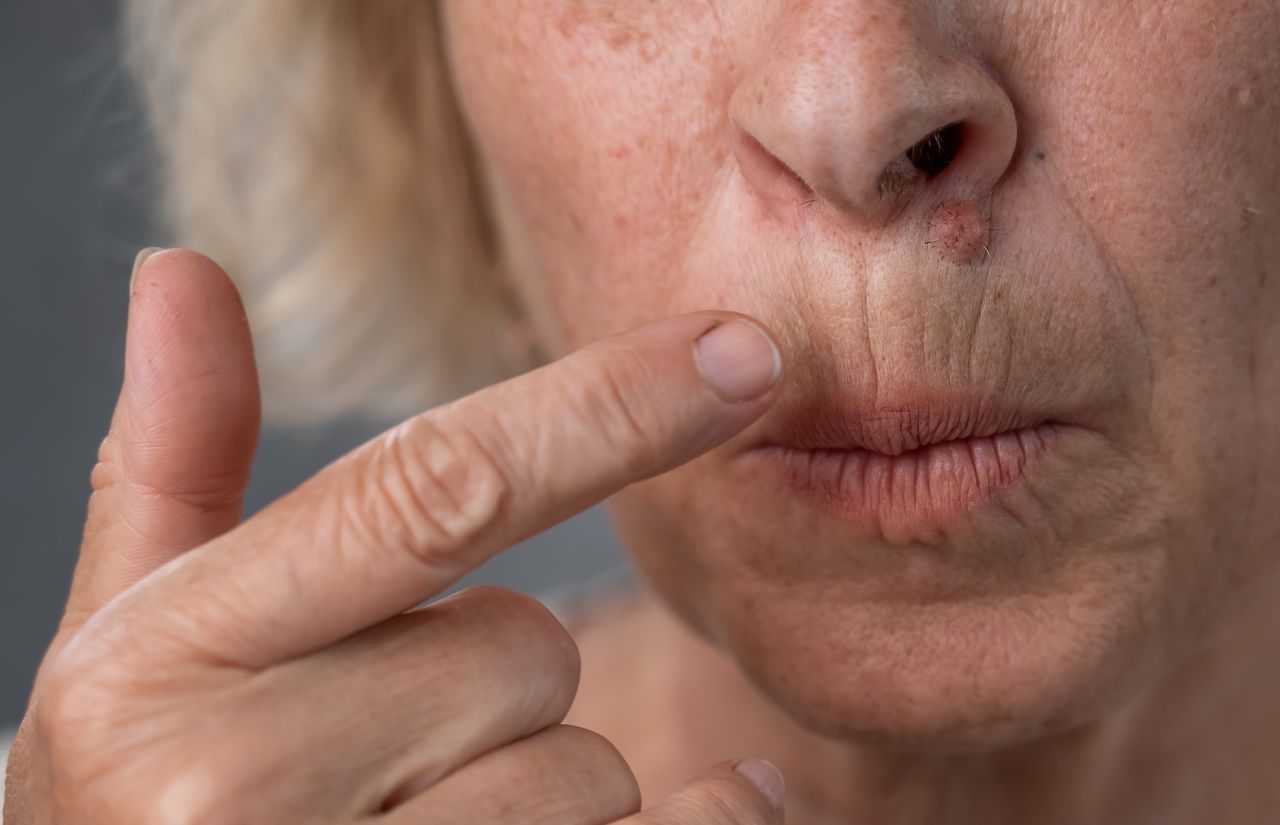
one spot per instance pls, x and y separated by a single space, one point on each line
214 671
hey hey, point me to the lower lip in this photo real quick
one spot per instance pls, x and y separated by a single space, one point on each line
908 495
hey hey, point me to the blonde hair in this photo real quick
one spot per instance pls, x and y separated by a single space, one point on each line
314 148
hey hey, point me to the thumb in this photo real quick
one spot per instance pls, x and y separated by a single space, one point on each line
748 792
172 470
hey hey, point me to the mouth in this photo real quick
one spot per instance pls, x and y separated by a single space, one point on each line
907 471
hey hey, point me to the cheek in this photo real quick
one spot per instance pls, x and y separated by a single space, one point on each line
602 125
1167 155
1166 158
1180 173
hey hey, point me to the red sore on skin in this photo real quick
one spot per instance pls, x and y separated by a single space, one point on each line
958 231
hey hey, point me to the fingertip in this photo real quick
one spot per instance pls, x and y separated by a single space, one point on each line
765 777
156 266
186 296
138 263
189 353
739 359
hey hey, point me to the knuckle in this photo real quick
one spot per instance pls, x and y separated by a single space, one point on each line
106 472
206 493
186 797
530 638
72 703
425 490
202 790
186 788
513 607
55 710
602 767
99 758
590 748
106 749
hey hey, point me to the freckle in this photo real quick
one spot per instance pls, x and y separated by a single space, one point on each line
565 25
1242 96
619 38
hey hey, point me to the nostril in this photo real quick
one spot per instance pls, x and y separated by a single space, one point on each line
934 153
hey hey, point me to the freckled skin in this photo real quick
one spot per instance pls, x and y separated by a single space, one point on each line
1154 330
958 231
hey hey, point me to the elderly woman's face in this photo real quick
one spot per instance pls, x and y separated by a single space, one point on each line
1028 443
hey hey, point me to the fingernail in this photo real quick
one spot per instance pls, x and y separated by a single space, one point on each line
739 360
139 261
767 779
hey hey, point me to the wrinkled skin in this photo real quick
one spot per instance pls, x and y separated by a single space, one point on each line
1043 593
647 158
218 671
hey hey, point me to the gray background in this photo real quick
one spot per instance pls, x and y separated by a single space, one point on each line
75 193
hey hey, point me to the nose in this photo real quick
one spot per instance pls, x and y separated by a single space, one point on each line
862 104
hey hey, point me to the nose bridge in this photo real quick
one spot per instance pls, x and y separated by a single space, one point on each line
844 88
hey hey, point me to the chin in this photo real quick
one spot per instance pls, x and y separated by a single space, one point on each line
945 678
950 649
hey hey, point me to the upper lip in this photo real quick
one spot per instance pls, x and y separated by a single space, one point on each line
892 430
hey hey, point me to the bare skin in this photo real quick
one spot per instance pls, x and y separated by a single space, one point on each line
1198 751
1001 549
1007 542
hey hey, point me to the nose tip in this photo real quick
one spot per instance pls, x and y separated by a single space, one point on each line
861 111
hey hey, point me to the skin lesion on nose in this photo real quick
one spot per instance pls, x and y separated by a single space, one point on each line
959 232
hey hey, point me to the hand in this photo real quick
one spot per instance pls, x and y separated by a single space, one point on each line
274 671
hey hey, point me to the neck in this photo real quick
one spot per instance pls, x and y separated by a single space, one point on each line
1201 746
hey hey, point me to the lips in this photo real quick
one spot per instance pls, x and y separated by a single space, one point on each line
908 470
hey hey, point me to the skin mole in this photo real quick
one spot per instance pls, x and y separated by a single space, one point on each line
958 231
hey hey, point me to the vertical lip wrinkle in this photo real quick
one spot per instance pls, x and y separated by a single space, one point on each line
904 493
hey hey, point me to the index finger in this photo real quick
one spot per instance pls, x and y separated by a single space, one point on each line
405 515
